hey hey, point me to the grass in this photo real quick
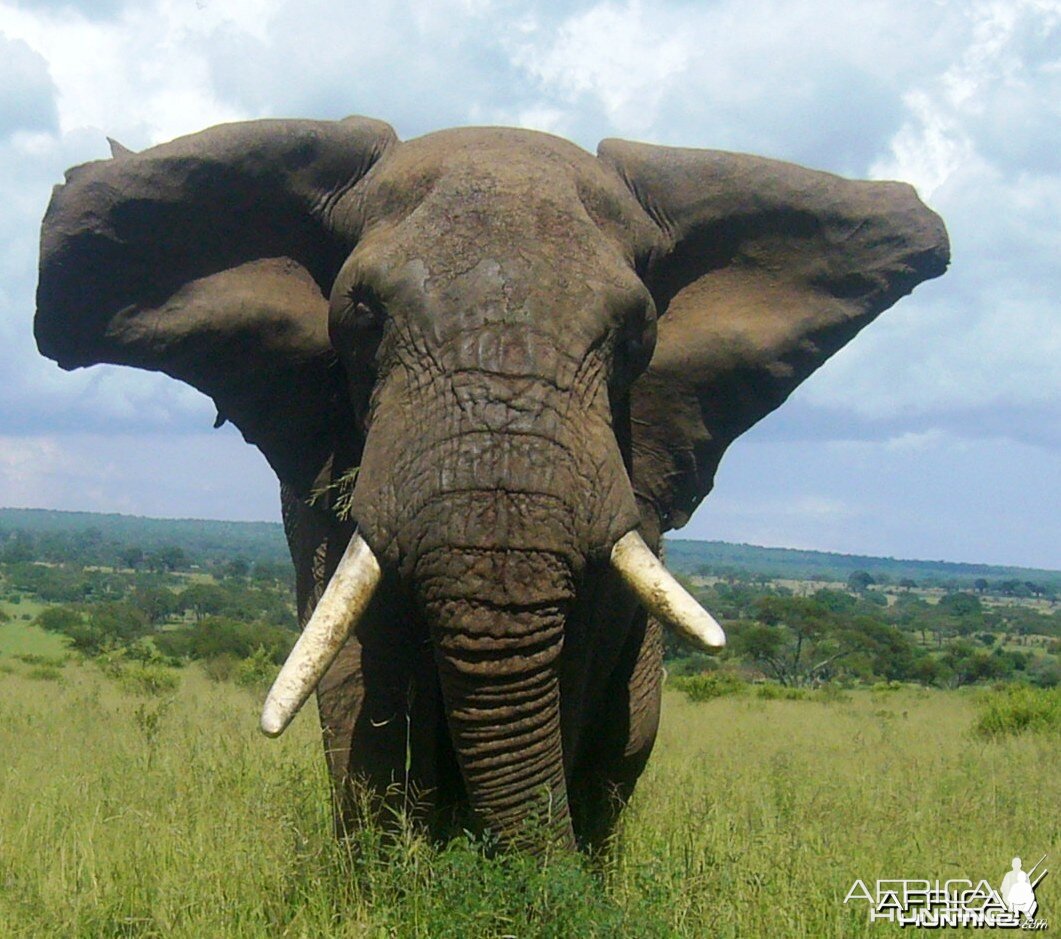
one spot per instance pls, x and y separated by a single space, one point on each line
20 637
126 814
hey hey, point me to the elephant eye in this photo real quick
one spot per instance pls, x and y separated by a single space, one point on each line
365 309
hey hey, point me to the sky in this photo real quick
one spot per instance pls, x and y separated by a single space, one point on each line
936 434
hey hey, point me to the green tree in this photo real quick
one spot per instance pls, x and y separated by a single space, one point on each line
133 556
237 568
157 603
59 619
961 604
204 600
858 581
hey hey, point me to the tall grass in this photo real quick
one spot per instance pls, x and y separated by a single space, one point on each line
124 813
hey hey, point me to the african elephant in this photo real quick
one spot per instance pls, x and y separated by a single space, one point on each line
488 369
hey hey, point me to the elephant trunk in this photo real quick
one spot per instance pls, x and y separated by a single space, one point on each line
496 619
487 508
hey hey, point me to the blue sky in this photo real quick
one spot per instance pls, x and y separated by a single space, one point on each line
936 434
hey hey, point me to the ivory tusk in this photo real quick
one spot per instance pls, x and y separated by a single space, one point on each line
662 595
340 607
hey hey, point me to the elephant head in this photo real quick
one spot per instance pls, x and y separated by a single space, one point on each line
487 368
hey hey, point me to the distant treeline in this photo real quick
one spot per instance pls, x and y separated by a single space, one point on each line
91 538
721 559
112 540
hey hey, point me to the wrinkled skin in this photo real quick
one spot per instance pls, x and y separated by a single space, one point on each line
528 351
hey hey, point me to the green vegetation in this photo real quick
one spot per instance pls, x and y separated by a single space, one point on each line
860 724
721 559
1016 708
128 812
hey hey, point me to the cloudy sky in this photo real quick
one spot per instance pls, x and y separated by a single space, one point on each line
935 435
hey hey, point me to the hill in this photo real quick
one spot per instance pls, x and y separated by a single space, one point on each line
95 538
720 558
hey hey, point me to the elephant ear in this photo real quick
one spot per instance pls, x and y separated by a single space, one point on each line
210 258
763 270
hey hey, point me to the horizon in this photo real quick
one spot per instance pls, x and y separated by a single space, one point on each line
676 535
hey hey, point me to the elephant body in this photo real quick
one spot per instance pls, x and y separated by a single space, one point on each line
493 356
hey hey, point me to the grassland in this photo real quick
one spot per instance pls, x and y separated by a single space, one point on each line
170 816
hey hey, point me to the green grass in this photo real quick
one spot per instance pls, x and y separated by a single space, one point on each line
169 815
20 637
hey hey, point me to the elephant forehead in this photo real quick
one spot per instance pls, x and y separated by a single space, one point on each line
501 184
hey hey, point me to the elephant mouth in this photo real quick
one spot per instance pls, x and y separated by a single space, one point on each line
358 574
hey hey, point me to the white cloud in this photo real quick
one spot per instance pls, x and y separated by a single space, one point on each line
213 475
621 55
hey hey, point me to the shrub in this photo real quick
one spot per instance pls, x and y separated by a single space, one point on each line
708 686
59 619
217 635
220 667
256 671
1019 708
151 680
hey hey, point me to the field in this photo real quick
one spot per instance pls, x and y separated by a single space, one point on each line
124 813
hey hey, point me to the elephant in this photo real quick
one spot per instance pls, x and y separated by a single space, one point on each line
490 371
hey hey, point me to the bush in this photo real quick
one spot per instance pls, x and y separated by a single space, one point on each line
59 619
708 686
1019 708
218 635
256 671
221 667
151 680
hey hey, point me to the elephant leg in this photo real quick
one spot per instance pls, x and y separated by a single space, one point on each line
619 738
362 699
386 734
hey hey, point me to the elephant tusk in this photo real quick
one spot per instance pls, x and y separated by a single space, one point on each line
662 595
340 607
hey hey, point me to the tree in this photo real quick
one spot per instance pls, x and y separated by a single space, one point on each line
204 600
133 556
907 583
157 603
20 549
795 639
237 568
981 585
858 581
961 604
